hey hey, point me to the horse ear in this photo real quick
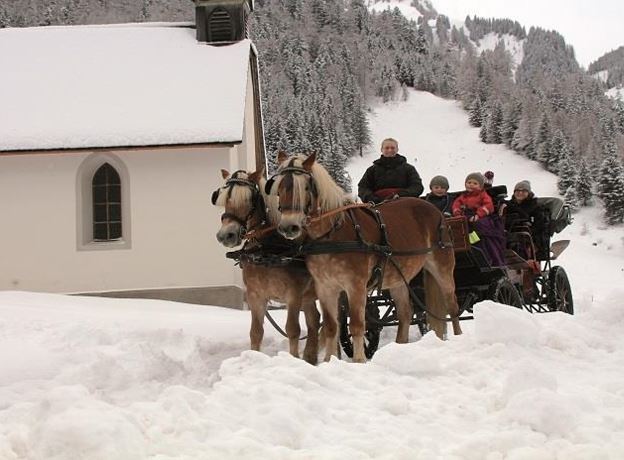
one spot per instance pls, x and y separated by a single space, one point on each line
257 175
215 196
307 164
281 156
225 173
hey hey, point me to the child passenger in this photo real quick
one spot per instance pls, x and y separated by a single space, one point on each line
439 195
477 206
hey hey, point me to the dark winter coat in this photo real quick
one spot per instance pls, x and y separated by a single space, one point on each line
443 203
389 173
527 210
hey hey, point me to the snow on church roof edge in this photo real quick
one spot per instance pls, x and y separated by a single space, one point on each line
126 85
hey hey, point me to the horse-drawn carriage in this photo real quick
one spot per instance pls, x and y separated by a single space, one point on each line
532 282
353 252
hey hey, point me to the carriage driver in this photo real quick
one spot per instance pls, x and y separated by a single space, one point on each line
389 176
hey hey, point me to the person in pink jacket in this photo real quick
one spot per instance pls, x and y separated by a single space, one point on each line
477 206
474 203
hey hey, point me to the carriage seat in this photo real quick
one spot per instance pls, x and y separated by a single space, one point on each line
498 193
557 212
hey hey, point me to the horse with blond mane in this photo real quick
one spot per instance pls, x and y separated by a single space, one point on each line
244 201
349 246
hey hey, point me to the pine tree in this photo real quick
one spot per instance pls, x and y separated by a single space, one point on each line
511 120
495 124
618 108
570 197
447 81
421 46
542 141
611 185
476 113
583 184
558 149
483 132
566 169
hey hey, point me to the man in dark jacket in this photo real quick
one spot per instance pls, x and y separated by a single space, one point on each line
390 175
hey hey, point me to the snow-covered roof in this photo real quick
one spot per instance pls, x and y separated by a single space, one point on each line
118 85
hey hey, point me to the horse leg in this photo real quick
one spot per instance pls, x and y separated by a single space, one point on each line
312 317
400 295
257 305
328 299
293 329
357 321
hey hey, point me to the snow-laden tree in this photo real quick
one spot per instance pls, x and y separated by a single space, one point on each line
475 117
570 197
495 124
583 184
611 185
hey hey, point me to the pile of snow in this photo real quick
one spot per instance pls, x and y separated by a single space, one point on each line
101 379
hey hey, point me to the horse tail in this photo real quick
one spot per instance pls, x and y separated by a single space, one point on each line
434 300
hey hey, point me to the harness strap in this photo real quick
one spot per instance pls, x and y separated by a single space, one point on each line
340 247
277 326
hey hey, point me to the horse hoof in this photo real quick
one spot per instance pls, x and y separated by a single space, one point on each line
311 359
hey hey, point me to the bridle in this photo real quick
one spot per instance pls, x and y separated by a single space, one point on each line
294 171
257 203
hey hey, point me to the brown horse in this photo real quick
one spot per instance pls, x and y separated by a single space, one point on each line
245 210
311 204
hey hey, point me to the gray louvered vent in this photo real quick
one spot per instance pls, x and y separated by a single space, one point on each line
220 22
220 26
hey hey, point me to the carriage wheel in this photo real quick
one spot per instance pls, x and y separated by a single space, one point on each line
506 293
559 291
372 333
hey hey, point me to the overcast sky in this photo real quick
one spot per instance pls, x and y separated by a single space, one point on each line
592 27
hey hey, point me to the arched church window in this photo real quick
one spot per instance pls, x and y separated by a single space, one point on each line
106 188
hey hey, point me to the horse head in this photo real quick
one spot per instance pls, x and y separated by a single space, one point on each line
303 188
243 203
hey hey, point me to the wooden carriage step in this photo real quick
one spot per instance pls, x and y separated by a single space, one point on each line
558 247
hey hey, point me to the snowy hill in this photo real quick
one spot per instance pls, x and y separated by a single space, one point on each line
137 379
512 45
408 8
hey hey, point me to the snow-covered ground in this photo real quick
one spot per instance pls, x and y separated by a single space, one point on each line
90 378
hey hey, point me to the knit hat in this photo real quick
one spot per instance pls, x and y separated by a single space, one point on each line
523 185
476 176
440 181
